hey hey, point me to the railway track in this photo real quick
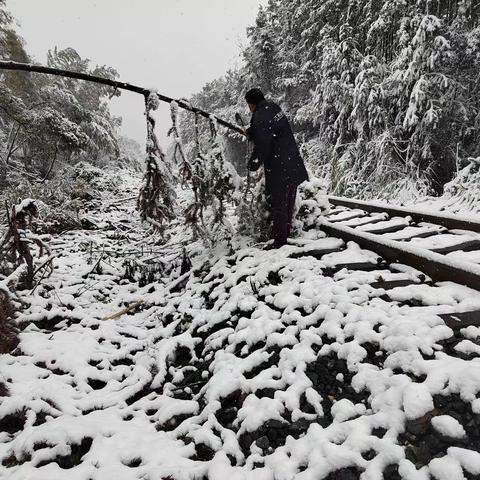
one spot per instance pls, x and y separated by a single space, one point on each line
445 247
439 246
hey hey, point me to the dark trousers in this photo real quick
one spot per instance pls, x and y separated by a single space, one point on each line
282 204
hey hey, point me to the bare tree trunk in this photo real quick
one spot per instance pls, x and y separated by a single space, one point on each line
11 146
51 165
3 173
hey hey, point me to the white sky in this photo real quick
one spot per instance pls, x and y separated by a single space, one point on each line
175 46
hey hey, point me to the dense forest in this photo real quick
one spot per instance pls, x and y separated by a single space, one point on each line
384 95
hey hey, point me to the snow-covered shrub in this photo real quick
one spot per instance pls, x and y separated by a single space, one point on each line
464 189
64 201
58 210
131 155
254 212
311 204
317 155
91 182
386 178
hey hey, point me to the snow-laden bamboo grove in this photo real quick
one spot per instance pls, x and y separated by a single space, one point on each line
253 365
383 94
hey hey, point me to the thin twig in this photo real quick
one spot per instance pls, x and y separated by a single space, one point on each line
49 261
128 309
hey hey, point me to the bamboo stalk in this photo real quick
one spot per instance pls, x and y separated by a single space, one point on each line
28 67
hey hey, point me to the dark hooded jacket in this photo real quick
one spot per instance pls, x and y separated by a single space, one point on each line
275 148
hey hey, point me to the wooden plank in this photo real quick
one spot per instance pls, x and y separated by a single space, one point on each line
365 220
382 230
354 266
314 252
467 246
336 211
457 321
388 285
352 216
409 236
449 221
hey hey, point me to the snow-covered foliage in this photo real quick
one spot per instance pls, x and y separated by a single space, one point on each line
312 204
156 200
64 202
462 194
464 190
131 155
204 169
381 92
248 364
47 121
225 105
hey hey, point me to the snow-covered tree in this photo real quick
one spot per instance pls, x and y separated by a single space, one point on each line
156 201
379 92
48 118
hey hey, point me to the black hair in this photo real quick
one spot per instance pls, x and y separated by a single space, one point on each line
254 96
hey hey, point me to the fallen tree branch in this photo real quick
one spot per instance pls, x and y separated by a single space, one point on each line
126 310
11 281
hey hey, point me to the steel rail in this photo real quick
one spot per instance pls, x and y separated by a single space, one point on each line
436 266
451 222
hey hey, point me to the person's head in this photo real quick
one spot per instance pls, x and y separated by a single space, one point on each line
253 98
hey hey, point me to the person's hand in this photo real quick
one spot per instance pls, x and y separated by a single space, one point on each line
253 164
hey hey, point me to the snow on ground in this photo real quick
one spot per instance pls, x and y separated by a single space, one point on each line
255 365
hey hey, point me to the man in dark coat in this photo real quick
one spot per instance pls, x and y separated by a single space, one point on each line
275 147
